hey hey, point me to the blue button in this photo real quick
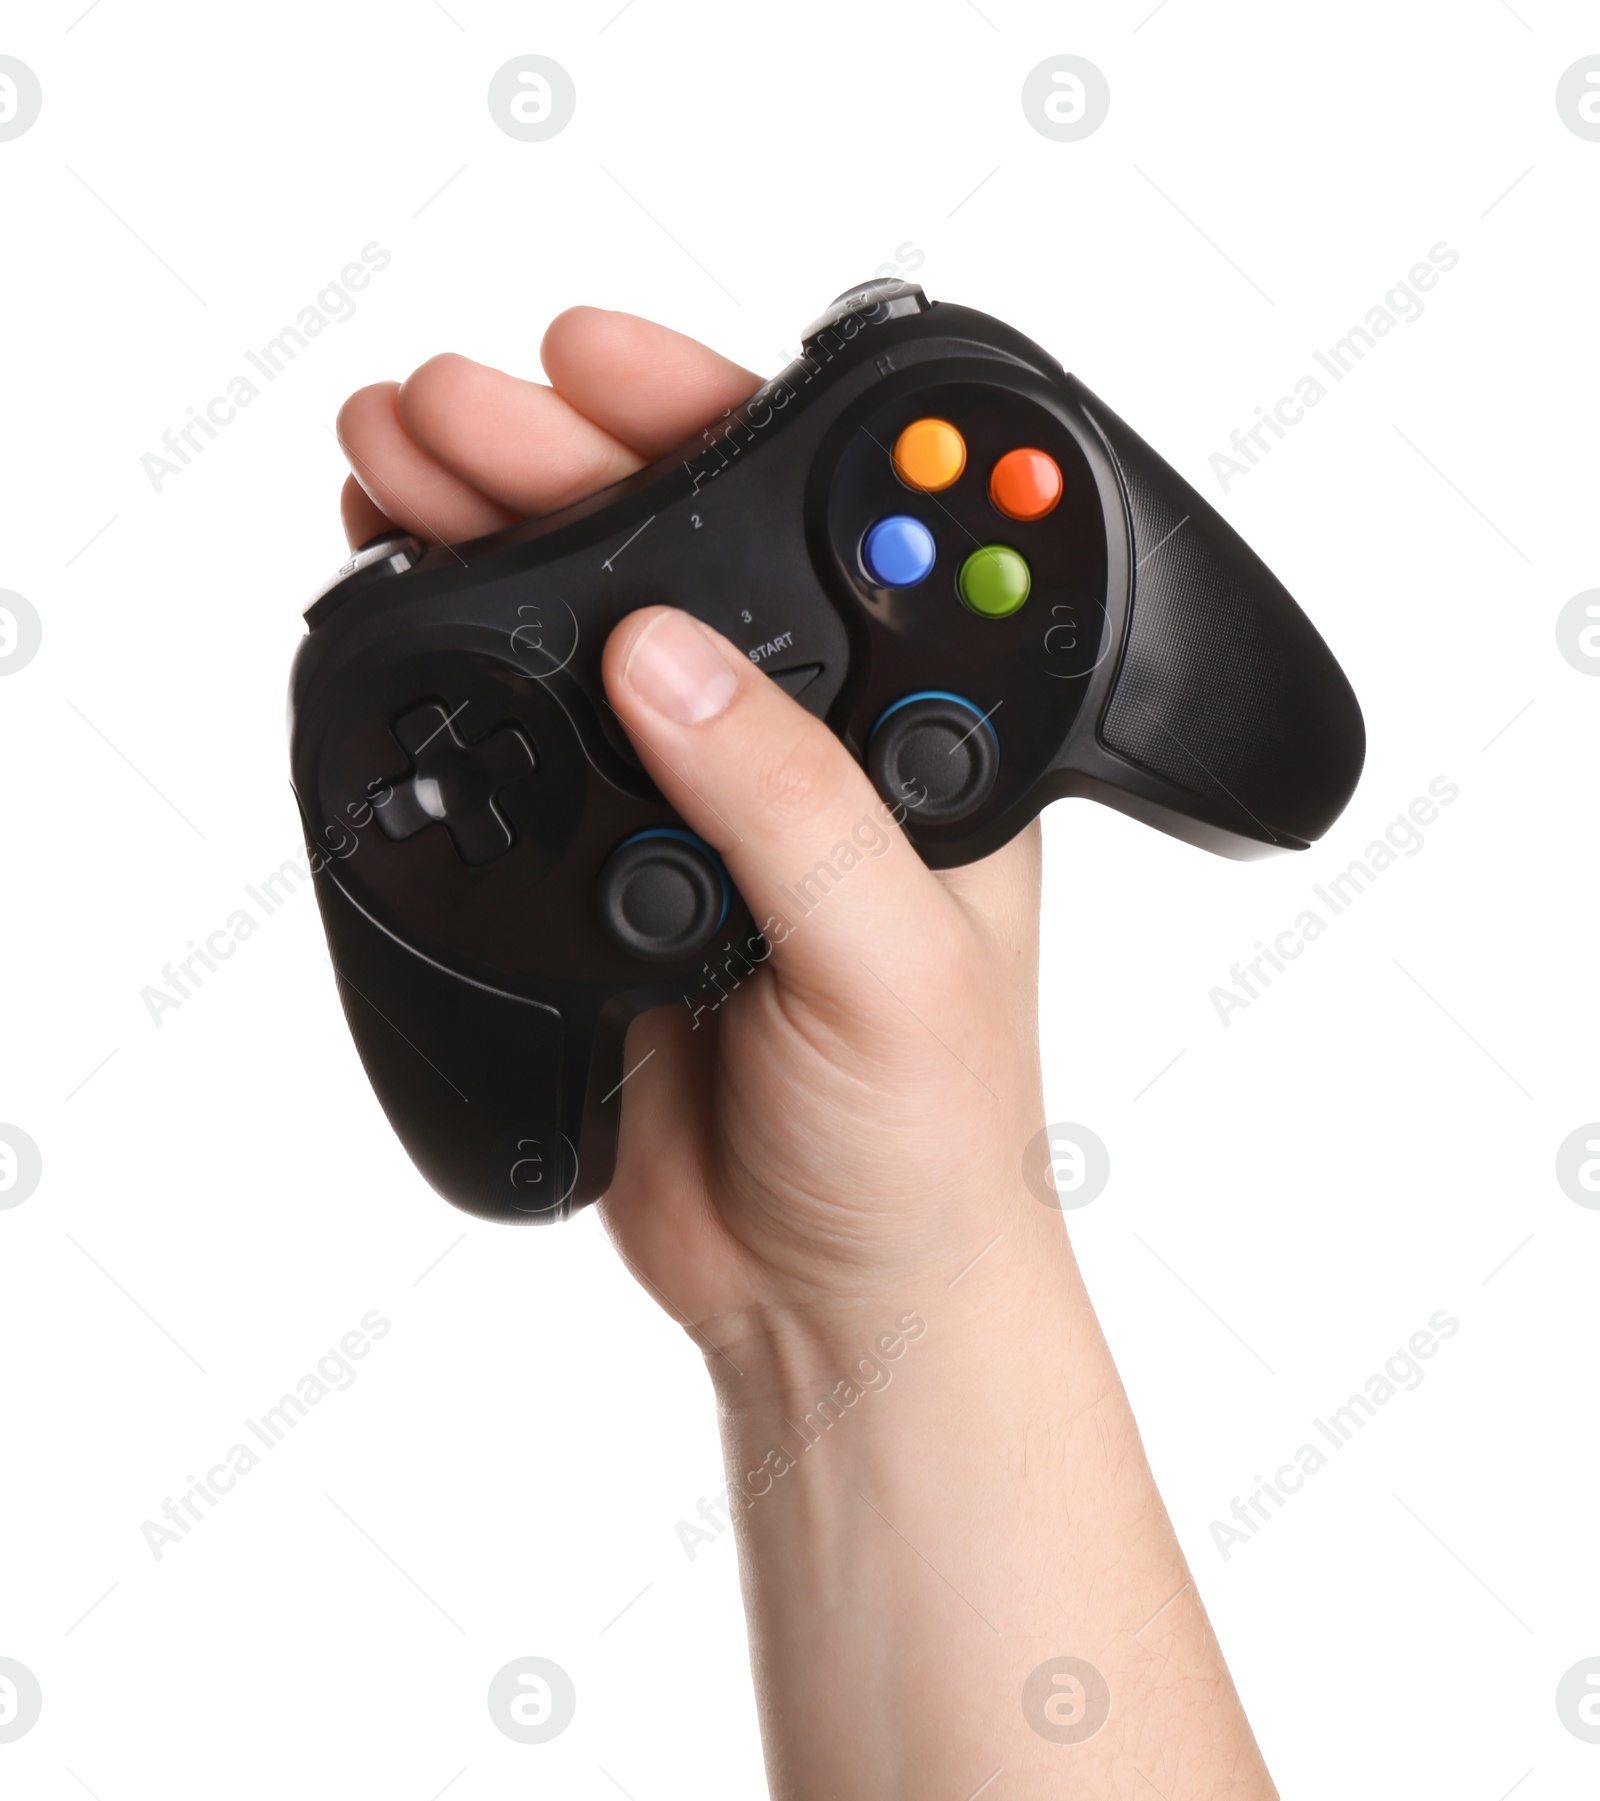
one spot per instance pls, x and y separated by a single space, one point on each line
898 552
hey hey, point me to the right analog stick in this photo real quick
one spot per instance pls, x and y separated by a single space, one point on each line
936 755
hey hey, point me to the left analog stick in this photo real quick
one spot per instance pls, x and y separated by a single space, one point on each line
662 895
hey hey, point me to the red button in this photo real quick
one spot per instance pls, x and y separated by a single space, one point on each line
1025 484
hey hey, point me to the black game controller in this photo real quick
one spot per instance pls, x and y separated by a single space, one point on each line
925 531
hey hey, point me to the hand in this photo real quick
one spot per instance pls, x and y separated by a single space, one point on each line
816 1150
851 1110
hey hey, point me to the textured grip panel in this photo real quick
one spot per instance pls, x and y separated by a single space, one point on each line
462 1072
1226 688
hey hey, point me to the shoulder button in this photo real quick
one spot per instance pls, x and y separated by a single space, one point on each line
870 304
392 554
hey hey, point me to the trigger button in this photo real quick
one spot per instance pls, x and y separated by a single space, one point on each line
391 554
873 302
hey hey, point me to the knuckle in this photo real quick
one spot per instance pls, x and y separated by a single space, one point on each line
798 785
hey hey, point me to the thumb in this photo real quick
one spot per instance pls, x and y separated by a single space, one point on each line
819 858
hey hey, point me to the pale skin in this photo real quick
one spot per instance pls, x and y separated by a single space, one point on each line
838 1145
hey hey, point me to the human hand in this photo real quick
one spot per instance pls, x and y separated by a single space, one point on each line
818 1145
802 1133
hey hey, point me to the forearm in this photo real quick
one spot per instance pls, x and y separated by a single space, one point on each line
935 1496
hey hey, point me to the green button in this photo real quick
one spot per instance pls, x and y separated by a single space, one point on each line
994 581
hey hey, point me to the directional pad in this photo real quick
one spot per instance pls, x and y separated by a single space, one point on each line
453 783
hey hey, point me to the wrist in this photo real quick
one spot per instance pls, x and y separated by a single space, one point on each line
934 1411
991 1307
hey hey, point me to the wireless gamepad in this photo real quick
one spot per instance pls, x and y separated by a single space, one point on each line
924 530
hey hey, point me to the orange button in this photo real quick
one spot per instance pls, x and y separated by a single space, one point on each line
930 454
1025 484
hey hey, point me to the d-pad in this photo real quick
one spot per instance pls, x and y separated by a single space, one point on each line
453 783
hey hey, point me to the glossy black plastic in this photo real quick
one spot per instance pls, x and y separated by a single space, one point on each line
465 790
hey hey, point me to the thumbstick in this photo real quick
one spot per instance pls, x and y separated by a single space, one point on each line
936 755
662 895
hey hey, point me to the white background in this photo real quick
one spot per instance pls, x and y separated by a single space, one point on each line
1326 1171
